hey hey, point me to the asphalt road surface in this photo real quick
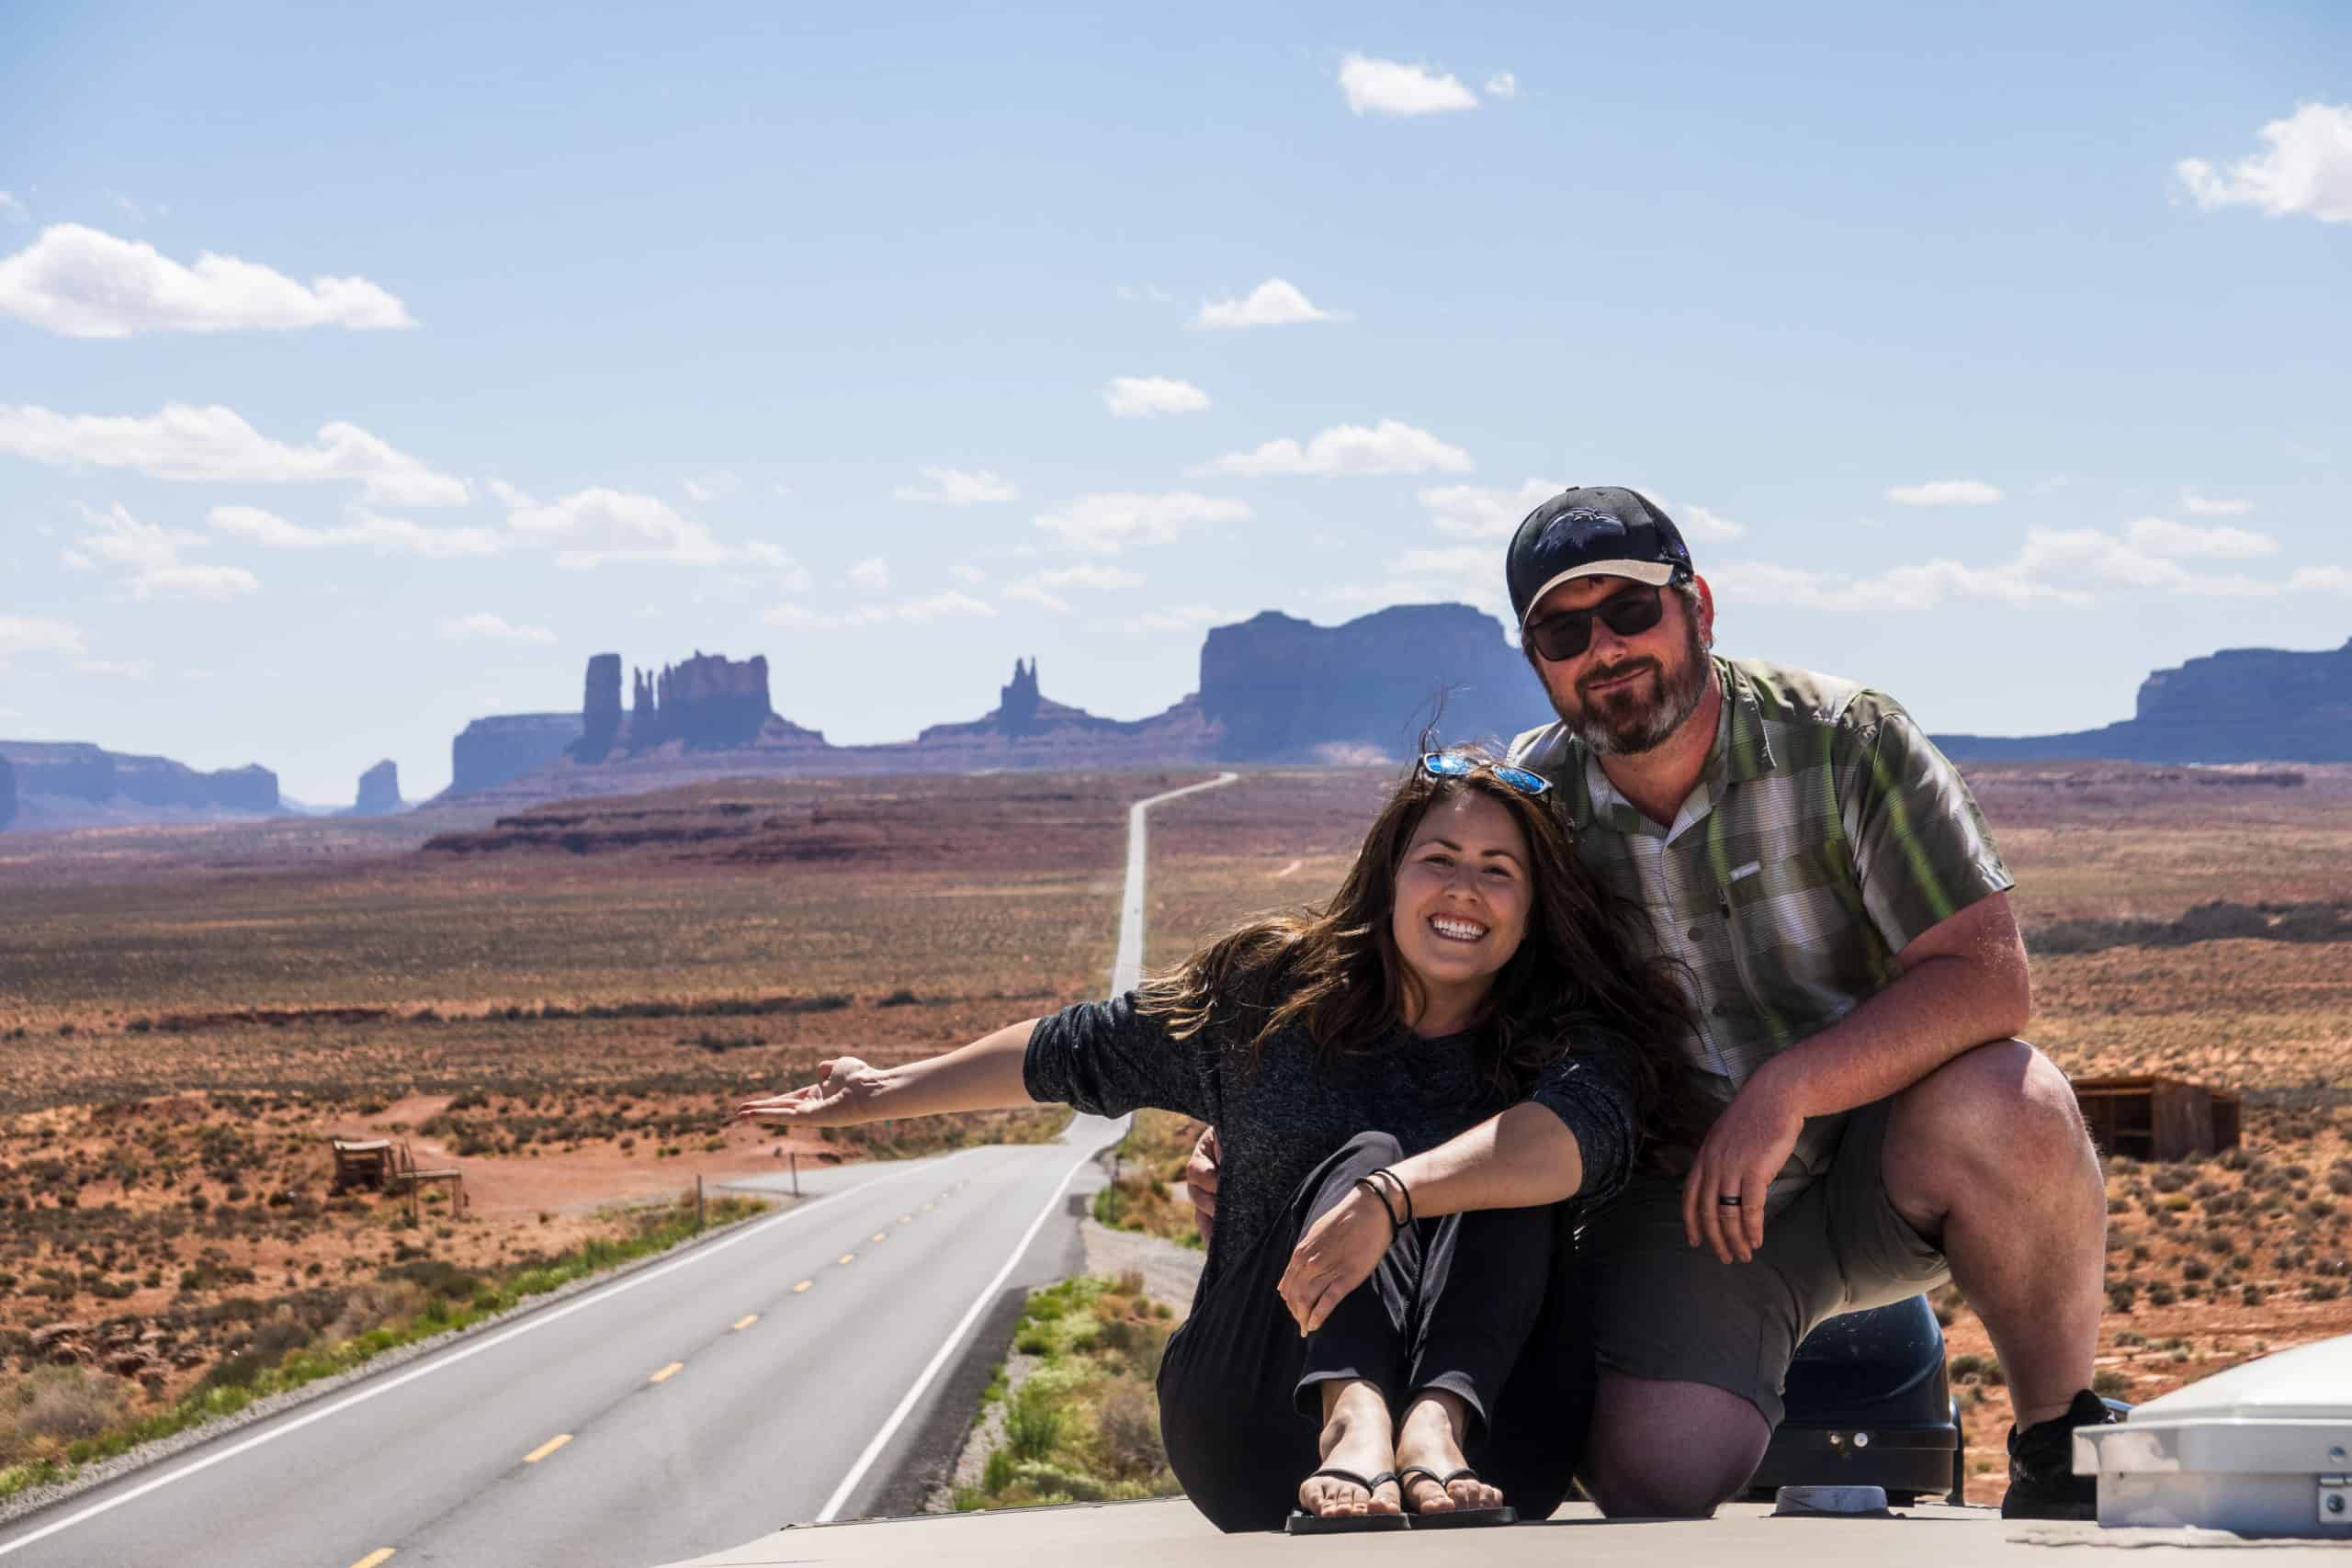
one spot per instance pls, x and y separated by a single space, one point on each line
779 1371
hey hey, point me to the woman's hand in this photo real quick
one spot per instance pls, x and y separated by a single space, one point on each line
1200 1181
1338 1253
846 1093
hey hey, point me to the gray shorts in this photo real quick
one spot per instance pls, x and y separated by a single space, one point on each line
1667 1310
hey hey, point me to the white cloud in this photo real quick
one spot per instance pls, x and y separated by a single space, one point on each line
1389 86
10 207
872 574
1698 523
955 487
146 557
1149 291
594 527
385 536
1106 524
82 283
1945 492
1143 397
1183 617
1390 447
1475 512
214 444
2205 506
1502 84
965 571
1273 303
714 487
1042 588
2069 565
949 604
2161 536
1472 574
122 668
2306 169
24 633
483 627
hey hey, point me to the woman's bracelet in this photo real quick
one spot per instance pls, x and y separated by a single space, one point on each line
1380 1196
1398 1182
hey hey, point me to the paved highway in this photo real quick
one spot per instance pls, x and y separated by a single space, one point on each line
776 1372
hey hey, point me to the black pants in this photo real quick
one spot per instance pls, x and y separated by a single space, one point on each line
1477 1305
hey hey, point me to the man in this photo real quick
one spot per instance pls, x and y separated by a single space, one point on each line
1858 981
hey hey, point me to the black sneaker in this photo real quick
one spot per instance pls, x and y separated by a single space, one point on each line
2042 1483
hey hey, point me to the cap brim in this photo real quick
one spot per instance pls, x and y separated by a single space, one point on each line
1656 574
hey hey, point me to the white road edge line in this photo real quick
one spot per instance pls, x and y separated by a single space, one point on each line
1126 971
452 1357
947 1347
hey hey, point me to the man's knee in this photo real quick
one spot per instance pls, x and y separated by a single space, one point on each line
1381 1148
1669 1450
1996 1101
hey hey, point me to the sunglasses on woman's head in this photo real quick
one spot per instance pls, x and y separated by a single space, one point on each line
1568 633
1455 766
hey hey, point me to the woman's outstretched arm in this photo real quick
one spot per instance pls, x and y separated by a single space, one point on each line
984 1075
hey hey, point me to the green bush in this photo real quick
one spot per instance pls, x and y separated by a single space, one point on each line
1033 1422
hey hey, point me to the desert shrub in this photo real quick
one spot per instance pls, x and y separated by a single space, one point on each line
2107 1381
1059 1483
2162 1293
1032 1422
2121 1294
1126 1425
2196 1269
52 1406
902 997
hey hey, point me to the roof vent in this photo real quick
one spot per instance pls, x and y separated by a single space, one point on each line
2265 1449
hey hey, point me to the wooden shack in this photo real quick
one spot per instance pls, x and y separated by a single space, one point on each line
2158 1118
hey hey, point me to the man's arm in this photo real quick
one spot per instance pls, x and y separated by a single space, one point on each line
1963 984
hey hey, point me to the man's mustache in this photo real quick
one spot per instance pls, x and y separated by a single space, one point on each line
1616 672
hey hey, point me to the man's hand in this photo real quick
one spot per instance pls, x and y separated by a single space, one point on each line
1200 1181
1745 1149
1338 1253
843 1096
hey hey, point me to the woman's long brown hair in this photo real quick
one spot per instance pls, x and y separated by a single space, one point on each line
1336 973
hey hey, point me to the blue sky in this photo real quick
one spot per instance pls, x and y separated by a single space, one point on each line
1992 356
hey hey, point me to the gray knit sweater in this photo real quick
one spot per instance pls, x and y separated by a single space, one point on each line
1276 1124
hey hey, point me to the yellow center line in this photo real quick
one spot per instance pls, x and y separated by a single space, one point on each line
802 1286
546 1447
375 1559
666 1373
849 1257
748 1319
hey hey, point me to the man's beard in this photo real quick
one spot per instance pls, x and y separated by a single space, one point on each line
1642 713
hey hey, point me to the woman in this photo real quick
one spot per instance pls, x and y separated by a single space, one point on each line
1468 990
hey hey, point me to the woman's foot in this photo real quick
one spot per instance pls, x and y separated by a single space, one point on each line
1431 1439
1357 1436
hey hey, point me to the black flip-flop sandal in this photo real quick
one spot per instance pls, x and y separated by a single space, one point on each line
1454 1519
1304 1523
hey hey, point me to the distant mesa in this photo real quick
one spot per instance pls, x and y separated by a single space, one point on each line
1273 688
379 791
1278 688
2241 704
62 785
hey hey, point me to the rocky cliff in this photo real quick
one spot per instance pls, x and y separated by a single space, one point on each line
496 750
71 784
1281 688
379 791
2241 704
708 703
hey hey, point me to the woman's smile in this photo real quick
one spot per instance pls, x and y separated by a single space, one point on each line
1455 928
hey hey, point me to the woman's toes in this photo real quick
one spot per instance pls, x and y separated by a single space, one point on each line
1385 1499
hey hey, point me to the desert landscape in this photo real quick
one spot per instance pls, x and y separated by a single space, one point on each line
562 1004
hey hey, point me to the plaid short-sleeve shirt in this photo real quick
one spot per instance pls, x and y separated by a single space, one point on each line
1825 834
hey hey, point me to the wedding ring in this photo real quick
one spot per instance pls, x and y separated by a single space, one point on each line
1728 1199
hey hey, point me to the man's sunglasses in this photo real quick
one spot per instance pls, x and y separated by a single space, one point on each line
1455 766
1568 633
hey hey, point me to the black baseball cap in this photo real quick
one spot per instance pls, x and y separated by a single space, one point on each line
1593 531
